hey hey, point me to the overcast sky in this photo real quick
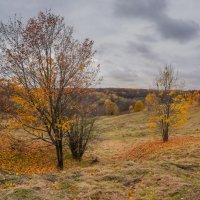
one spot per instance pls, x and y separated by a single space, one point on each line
133 38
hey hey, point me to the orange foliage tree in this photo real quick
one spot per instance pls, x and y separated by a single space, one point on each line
49 69
169 105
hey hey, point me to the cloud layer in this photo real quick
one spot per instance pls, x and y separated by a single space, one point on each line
133 38
155 11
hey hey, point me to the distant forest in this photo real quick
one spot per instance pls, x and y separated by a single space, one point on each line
123 97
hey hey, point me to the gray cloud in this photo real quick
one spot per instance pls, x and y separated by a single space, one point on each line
125 75
147 38
179 30
191 78
133 38
155 11
140 8
140 48
143 50
108 47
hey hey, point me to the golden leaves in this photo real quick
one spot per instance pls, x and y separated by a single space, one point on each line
170 109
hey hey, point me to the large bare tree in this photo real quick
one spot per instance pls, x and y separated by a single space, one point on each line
49 69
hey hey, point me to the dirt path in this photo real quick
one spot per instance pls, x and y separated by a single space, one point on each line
110 151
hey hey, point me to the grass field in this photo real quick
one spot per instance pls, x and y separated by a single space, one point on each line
133 163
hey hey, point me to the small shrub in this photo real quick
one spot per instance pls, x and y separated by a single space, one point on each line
139 106
79 135
131 109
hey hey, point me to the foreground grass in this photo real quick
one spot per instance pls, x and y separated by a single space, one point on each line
133 164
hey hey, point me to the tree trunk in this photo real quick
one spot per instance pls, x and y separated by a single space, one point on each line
76 154
59 154
165 135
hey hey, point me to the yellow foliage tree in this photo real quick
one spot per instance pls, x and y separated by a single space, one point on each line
170 106
139 106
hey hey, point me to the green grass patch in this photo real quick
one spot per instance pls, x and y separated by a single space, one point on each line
23 193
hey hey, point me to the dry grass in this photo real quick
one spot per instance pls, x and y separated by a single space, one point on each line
146 149
133 164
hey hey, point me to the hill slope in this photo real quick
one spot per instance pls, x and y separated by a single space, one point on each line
161 171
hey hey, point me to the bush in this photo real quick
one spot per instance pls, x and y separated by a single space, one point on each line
79 135
131 109
139 106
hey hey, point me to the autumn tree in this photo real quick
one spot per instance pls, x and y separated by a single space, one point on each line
49 69
110 107
139 106
170 104
150 100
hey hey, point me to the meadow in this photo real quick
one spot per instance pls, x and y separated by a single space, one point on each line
125 160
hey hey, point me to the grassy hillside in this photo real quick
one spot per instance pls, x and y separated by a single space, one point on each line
132 163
